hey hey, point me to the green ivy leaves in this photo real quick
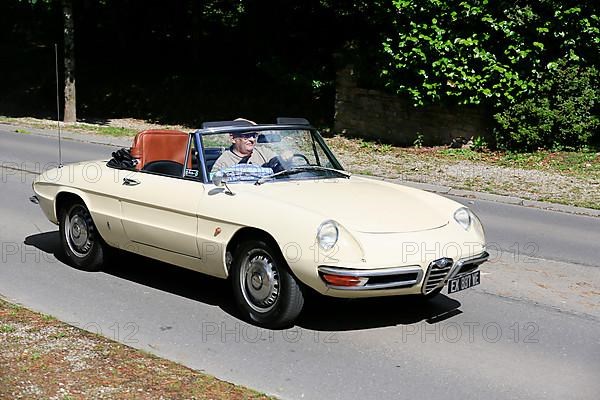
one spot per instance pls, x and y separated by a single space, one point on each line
477 51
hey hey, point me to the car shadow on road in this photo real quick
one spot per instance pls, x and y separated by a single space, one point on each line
320 313
48 242
330 314
151 273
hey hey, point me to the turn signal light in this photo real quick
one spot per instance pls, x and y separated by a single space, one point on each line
342 280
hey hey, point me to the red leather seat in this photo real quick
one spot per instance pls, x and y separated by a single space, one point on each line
160 144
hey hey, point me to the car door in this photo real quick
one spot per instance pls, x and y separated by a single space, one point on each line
158 205
161 212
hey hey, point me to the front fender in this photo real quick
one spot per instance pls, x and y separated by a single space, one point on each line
105 209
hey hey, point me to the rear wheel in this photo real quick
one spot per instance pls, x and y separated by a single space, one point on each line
265 290
80 240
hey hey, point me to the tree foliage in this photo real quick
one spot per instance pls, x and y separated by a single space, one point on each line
478 51
505 55
561 116
188 60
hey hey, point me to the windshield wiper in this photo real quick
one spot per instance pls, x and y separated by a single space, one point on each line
297 170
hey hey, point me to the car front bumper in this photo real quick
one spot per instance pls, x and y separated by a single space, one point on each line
397 281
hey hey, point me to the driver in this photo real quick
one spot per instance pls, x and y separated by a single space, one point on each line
243 150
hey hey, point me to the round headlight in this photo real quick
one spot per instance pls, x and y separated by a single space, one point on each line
463 217
327 235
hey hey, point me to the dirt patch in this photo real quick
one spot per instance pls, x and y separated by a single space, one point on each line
42 358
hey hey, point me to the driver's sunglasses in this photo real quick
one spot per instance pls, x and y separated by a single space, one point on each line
246 135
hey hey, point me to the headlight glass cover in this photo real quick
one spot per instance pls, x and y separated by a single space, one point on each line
327 235
463 217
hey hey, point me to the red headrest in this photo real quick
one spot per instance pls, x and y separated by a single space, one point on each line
160 144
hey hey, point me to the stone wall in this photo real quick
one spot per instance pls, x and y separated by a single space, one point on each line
375 115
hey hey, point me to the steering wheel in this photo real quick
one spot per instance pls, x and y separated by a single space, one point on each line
299 155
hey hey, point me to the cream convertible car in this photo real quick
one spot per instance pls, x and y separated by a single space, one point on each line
298 222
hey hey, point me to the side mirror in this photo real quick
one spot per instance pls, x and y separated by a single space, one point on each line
219 179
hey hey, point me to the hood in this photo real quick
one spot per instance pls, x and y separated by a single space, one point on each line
363 205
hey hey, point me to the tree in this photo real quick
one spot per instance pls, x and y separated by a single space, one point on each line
504 55
478 51
70 113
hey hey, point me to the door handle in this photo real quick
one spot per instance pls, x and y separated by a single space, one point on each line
130 182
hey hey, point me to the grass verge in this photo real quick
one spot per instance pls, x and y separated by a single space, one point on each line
79 127
41 357
584 164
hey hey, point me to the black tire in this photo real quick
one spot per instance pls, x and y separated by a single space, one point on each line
80 240
265 291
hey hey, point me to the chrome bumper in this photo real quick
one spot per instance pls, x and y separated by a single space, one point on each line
383 278
403 277
470 264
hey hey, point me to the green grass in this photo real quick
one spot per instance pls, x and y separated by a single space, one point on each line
107 130
89 128
7 328
461 154
584 164
378 147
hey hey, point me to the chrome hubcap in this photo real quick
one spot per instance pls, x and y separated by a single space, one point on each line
77 233
260 283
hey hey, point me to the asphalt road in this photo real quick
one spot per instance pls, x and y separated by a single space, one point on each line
472 344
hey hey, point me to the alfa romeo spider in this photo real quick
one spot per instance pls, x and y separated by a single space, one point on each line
295 224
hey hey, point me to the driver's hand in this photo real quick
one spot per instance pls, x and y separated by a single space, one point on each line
276 164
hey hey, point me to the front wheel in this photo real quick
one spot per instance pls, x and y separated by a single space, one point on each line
80 240
265 290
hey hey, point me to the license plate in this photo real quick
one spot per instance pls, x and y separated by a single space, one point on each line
463 282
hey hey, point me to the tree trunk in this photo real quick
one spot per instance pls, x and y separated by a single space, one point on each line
70 114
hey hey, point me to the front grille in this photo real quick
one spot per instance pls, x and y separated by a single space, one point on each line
436 274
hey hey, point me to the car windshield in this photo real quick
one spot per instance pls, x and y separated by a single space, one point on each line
269 155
